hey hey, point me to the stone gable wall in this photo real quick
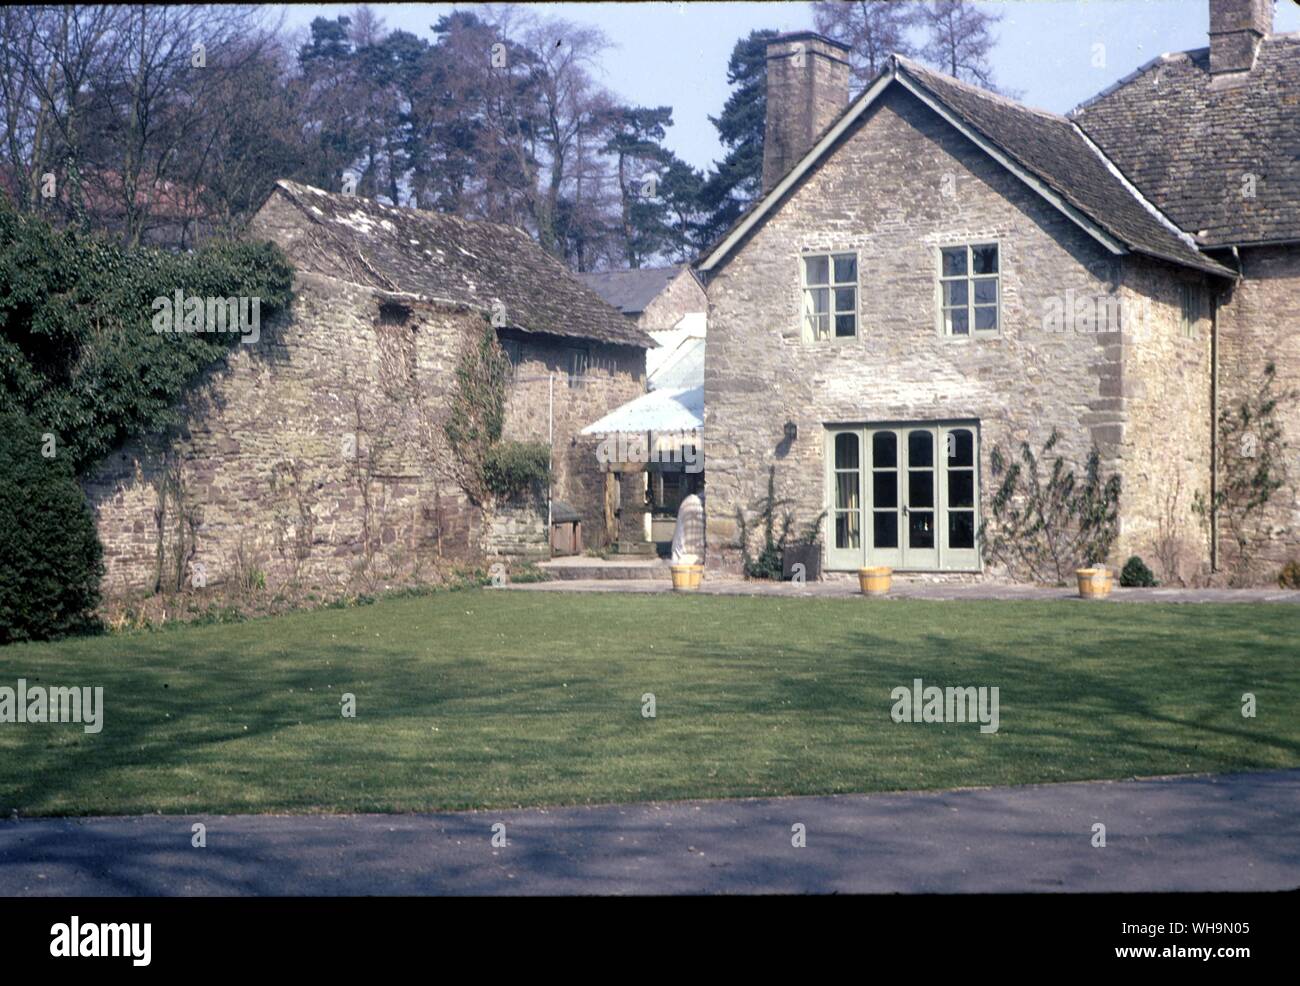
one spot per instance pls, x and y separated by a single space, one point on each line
682 295
900 185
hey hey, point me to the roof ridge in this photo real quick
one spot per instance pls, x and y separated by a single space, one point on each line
975 90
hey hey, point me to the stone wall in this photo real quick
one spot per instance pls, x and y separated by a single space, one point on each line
899 185
1259 324
1165 398
317 457
614 375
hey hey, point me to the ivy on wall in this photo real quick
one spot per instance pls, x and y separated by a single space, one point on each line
78 352
490 467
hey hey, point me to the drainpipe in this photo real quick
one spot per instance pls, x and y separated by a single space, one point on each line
550 445
1214 416
1214 431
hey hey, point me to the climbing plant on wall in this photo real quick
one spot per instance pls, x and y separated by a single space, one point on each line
79 355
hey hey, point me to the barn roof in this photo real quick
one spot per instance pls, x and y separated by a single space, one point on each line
487 266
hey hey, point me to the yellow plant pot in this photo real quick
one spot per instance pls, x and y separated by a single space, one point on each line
1094 583
875 581
687 578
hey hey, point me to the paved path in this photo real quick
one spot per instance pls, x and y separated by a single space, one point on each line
846 588
1228 832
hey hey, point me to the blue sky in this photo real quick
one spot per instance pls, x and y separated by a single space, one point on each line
675 54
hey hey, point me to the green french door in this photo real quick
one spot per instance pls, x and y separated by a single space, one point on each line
904 496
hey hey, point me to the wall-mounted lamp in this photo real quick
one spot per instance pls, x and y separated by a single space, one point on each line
791 431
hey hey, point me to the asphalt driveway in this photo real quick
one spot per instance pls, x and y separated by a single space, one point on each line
1202 833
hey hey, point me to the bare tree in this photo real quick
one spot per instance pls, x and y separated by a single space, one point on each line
959 40
873 30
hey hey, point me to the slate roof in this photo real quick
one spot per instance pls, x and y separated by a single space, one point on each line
1048 148
630 291
1188 142
458 260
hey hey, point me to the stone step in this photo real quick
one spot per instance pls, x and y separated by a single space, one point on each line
614 569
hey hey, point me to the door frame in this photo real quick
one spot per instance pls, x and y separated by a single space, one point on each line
941 558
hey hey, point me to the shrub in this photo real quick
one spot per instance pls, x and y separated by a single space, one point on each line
50 558
1289 577
78 352
1044 528
1136 575
512 468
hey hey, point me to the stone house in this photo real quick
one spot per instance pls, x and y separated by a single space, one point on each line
317 455
934 272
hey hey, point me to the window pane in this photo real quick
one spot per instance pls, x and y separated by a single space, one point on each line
961 529
920 529
816 270
885 529
820 326
986 318
884 450
847 533
884 489
954 261
846 269
846 299
846 325
920 488
961 488
846 491
986 291
984 258
846 451
821 300
957 322
961 447
920 449
954 293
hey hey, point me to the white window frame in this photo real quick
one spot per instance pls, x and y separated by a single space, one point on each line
970 277
805 316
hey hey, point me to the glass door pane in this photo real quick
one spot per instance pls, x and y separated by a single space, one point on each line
959 497
845 475
919 550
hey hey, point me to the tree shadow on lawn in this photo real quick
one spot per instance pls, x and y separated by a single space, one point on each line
1071 707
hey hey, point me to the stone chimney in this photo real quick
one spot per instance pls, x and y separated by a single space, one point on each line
807 88
1236 29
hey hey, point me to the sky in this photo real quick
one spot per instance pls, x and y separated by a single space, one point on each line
675 54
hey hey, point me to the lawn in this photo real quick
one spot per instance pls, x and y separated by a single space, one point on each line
487 698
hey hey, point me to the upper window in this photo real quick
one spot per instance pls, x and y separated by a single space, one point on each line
969 290
830 296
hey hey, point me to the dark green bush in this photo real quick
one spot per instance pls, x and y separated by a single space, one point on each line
1136 575
78 353
1289 577
50 558
512 468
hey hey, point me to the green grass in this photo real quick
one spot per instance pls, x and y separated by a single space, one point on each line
488 699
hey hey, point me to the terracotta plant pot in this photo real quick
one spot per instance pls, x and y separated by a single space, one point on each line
687 578
875 581
1095 583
